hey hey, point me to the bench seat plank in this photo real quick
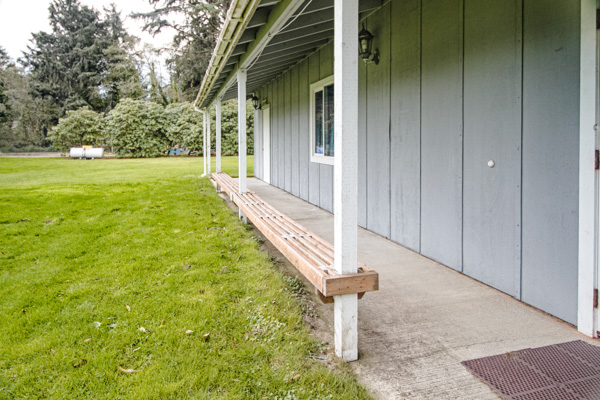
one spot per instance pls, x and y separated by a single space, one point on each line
310 254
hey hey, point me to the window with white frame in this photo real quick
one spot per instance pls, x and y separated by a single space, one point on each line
322 137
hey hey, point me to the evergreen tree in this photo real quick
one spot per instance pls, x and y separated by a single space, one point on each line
4 107
5 112
122 78
76 63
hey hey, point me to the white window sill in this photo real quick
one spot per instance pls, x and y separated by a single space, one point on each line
315 158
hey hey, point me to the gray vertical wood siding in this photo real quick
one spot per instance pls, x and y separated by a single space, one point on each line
362 145
405 138
281 132
303 128
550 155
460 83
276 129
378 126
441 131
287 132
294 133
258 145
492 196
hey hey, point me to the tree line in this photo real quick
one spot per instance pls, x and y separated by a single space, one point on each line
137 128
89 72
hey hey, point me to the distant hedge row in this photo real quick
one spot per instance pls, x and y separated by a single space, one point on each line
136 128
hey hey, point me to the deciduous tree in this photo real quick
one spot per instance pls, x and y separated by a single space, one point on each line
25 118
197 24
78 128
138 129
185 126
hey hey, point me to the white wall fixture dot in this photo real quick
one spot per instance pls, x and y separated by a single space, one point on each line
491 163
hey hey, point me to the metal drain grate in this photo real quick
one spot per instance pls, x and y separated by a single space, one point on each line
566 371
586 389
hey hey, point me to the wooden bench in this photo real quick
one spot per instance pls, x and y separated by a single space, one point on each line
225 183
311 255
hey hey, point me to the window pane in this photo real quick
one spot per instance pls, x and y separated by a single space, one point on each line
328 139
319 122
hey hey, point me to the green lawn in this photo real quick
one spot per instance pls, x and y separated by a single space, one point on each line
110 264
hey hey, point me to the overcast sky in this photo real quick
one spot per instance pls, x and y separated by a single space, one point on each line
20 18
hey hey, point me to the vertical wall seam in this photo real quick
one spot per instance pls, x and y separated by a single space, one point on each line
308 124
522 141
285 129
319 166
270 94
307 90
274 133
297 111
597 228
367 140
291 130
596 206
420 125
296 142
462 177
389 22
282 155
255 144
274 129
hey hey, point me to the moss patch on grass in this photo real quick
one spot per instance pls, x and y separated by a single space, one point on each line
114 266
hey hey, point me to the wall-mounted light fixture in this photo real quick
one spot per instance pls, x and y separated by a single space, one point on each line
255 102
365 46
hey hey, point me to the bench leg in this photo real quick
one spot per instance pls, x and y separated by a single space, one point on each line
243 217
324 299
346 326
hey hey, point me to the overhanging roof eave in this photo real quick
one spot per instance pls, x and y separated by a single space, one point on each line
238 16
276 20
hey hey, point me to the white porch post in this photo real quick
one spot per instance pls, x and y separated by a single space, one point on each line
345 186
204 141
241 80
208 166
588 216
218 134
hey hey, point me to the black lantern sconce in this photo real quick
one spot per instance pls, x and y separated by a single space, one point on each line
255 102
365 46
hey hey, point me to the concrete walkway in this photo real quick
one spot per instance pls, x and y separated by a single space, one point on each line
426 318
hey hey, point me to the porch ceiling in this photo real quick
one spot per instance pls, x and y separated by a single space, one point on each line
273 36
